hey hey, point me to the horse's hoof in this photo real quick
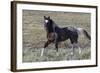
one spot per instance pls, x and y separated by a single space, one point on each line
41 55
72 53
42 51
80 52
57 54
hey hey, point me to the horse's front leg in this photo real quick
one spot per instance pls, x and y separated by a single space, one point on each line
46 44
56 46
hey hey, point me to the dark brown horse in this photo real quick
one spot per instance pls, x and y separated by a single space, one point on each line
55 34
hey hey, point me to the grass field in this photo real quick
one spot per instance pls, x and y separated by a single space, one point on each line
34 36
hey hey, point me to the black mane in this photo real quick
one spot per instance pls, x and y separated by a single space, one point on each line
50 26
53 27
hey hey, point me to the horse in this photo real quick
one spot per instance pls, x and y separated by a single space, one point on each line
56 34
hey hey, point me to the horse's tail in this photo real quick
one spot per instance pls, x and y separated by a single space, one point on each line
86 34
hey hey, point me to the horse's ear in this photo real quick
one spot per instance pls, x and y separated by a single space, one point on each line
48 17
44 17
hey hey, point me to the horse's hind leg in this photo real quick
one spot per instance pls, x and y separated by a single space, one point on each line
72 49
79 49
74 42
75 45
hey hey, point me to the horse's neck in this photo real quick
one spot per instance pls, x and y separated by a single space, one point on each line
53 28
50 29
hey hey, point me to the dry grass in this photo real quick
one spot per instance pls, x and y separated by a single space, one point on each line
34 36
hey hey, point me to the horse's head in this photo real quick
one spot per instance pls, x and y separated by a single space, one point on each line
48 23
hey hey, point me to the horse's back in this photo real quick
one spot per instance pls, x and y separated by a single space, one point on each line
71 31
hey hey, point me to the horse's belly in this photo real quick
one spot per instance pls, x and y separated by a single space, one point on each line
62 38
